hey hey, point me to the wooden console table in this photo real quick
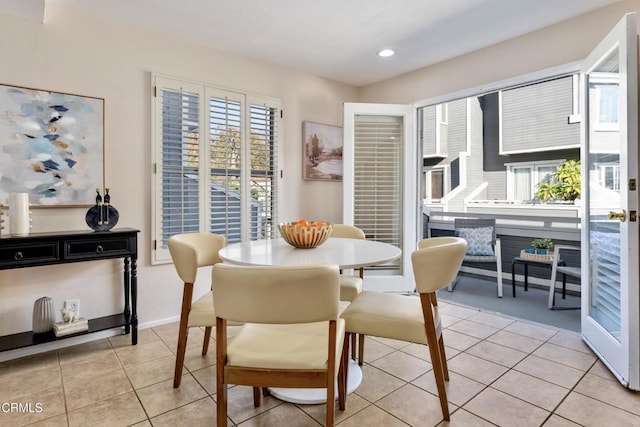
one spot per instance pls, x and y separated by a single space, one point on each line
38 249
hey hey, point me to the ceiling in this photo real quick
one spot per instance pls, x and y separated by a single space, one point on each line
339 39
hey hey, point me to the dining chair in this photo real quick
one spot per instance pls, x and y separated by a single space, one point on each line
292 336
189 252
482 244
350 285
564 270
409 318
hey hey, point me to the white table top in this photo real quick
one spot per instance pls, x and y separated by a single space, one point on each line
346 253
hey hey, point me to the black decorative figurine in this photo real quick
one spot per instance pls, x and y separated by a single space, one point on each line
102 216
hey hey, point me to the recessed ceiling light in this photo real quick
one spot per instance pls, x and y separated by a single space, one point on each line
386 53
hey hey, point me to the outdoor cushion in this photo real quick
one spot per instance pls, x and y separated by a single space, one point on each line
479 240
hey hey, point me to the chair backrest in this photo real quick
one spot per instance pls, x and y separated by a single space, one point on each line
347 231
276 294
437 261
192 250
459 223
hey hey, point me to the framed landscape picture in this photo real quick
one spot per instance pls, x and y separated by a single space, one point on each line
322 151
51 146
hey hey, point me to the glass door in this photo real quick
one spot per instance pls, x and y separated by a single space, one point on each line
610 301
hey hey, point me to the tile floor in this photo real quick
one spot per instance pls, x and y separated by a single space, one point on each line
503 371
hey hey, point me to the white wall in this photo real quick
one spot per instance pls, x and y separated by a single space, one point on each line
559 44
82 55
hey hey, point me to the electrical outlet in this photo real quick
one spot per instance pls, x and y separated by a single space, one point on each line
73 305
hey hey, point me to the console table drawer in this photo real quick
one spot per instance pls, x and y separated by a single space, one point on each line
95 249
27 254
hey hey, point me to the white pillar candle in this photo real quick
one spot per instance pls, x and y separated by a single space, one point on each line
19 213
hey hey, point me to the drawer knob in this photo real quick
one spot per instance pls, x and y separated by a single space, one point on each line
18 256
99 249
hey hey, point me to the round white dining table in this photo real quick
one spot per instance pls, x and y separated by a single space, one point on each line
343 252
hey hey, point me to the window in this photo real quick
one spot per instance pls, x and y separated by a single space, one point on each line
603 89
609 176
523 178
434 186
215 158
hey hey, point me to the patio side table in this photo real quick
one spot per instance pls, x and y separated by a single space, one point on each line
525 262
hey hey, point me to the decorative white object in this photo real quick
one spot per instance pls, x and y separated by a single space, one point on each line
19 221
78 325
43 316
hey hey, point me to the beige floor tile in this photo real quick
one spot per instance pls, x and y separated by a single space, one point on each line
88 350
194 360
505 410
29 382
207 378
458 311
530 330
556 421
374 350
566 356
515 341
422 351
570 340
372 416
531 389
476 369
162 397
283 415
144 336
155 371
492 320
462 418
194 340
376 384
397 344
602 371
610 392
448 320
414 406
457 340
120 411
477 330
459 389
496 353
36 362
57 421
590 412
82 391
402 365
39 406
556 373
354 405
144 423
103 363
201 413
240 404
167 330
142 353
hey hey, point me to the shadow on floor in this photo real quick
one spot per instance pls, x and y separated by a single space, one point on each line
530 305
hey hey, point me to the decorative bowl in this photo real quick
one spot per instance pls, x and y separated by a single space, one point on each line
305 234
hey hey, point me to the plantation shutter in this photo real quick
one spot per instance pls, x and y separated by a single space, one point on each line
264 131
378 198
177 161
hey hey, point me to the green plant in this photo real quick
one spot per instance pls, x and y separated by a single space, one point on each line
542 243
563 184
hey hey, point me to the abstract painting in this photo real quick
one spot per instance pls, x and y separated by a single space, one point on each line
51 146
322 152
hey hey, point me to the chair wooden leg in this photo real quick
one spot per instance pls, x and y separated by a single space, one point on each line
256 397
434 351
443 359
266 392
183 333
353 346
342 378
207 338
361 349
331 374
221 360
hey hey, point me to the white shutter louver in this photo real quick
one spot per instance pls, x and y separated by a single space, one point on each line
378 198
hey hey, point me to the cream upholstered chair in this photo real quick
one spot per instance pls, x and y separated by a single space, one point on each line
350 285
407 318
189 252
483 245
292 336
564 270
